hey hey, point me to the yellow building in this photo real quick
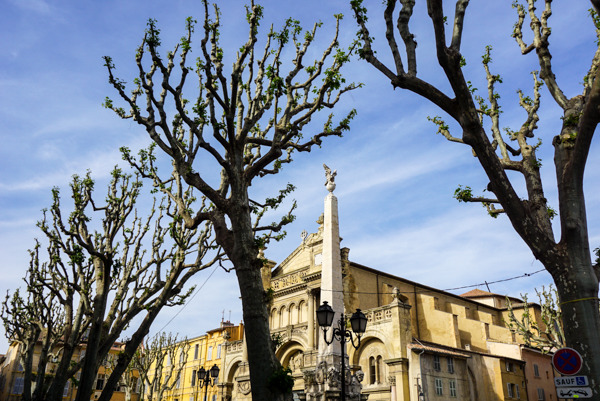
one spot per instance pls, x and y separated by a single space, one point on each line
202 352
12 376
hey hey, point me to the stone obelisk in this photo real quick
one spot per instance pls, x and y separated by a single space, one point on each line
331 269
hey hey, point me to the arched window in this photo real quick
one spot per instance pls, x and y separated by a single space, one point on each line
274 318
379 367
293 314
372 371
283 317
301 312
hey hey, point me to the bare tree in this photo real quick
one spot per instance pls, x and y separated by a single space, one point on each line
541 330
102 274
160 365
248 122
35 324
568 260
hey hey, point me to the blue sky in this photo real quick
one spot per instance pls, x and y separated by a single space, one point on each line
395 176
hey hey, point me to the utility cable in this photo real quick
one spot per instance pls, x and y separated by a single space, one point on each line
188 301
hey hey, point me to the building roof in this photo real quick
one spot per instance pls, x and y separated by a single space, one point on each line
477 293
437 349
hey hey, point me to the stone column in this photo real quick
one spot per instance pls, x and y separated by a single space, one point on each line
331 271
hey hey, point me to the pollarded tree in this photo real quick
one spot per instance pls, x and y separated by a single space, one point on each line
248 121
543 331
36 324
106 266
568 260
160 365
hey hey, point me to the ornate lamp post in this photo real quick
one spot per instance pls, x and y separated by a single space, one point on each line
358 322
206 378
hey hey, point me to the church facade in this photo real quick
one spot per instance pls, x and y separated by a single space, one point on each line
421 343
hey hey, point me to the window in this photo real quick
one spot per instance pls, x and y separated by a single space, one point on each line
100 382
193 378
209 353
452 383
510 367
450 365
513 390
372 371
378 367
18 385
436 363
439 389
196 350
536 370
219 351
66 389
540 394
178 381
181 357
168 360
138 385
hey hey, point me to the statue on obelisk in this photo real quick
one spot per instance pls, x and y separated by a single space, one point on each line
330 177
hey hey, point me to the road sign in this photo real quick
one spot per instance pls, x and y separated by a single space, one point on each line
569 381
567 361
574 392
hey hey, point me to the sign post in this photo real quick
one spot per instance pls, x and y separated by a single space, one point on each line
568 362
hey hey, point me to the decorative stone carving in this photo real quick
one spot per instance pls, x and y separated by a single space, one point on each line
355 386
288 281
333 377
321 372
297 361
397 296
330 176
244 387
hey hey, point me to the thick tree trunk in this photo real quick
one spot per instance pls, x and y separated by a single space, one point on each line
578 292
243 253
574 276
261 356
59 381
28 375
89 369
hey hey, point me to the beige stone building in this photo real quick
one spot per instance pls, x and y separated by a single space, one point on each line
421 343
12 376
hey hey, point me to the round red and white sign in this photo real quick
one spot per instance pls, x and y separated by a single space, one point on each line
567 361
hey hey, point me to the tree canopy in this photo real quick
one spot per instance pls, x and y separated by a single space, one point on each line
241 123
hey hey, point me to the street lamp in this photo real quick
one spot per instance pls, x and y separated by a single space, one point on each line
207 377
358 322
